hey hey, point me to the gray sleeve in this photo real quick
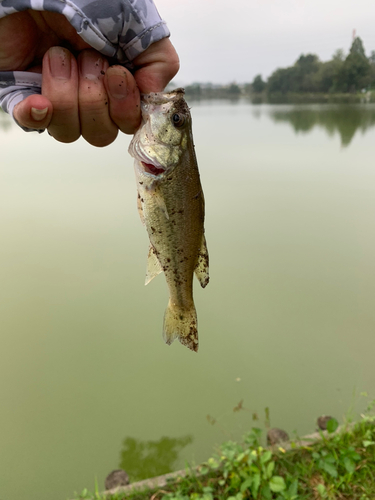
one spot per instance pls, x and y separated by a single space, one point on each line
120 29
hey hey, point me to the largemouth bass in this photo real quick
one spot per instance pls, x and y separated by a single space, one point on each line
171 206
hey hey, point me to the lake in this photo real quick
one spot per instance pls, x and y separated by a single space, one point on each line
87 384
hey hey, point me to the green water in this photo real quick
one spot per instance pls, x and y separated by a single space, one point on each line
287 321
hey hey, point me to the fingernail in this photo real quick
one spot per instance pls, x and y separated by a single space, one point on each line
39 114
117 86
59 63
91 66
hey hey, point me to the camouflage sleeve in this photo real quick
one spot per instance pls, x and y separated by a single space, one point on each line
119 29
15 86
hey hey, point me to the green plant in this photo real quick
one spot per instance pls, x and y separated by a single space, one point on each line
341 465
248 471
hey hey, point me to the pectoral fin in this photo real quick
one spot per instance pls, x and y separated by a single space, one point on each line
201 269
159 199
153 265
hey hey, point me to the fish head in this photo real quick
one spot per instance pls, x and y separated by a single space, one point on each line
163 135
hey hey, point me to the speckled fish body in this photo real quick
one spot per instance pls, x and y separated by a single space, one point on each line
171 206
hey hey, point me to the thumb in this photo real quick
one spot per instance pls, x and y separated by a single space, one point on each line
33 113
156 66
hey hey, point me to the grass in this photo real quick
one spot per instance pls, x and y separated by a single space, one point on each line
341 465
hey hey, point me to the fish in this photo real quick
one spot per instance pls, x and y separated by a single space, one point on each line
171 205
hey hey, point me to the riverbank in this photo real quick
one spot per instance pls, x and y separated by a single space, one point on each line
207 93
319 98
334 464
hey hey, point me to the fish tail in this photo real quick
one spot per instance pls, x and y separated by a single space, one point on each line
181 323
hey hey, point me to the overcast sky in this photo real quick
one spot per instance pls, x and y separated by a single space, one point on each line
234 40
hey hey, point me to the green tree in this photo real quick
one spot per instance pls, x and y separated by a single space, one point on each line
308 68
341 74
338 55
258 85
298 78
355 73
357 47
283 80
308 63
372 69
194 89
234 89
329 73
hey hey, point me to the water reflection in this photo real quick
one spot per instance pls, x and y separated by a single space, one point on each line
345 120
143 459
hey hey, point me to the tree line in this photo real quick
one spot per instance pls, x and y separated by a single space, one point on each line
342 74
352 73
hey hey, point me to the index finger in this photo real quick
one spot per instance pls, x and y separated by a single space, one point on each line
156 66
124 99
154 70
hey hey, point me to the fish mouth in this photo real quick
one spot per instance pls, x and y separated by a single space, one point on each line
150 168
150 165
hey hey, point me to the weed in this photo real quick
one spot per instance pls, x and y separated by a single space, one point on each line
341 465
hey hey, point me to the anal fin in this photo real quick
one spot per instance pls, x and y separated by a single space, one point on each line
201 269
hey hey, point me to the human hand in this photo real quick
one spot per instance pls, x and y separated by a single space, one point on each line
81 93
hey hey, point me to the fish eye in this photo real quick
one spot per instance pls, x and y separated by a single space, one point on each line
178 119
